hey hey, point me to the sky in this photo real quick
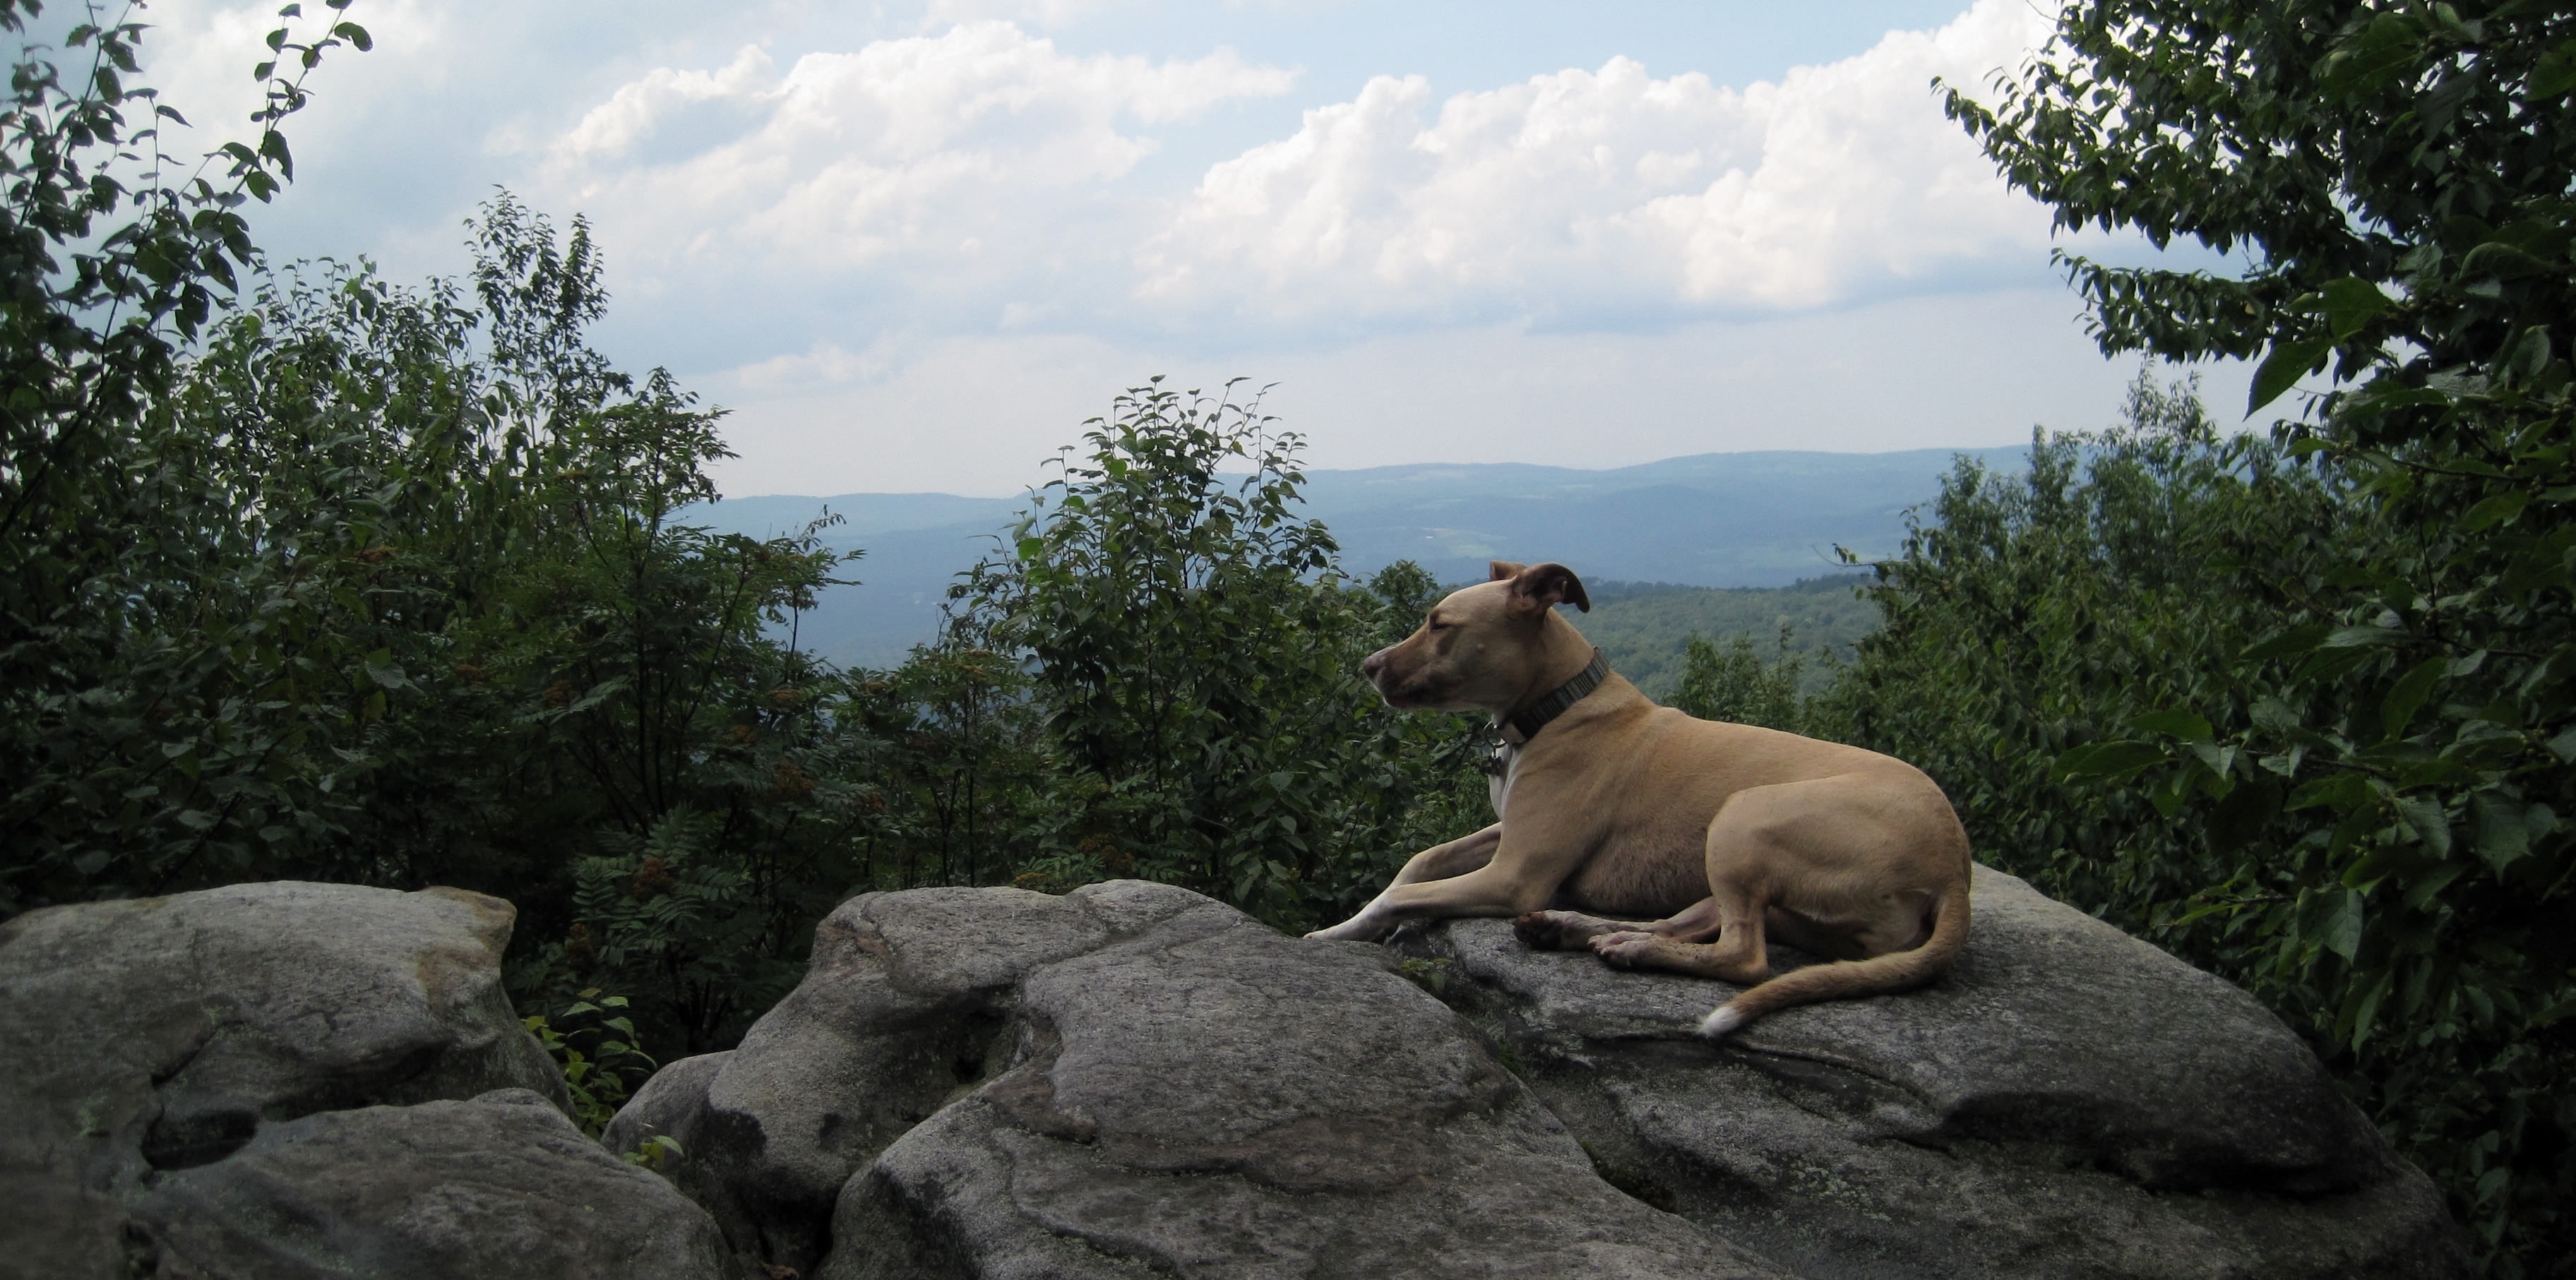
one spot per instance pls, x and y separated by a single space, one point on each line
912 247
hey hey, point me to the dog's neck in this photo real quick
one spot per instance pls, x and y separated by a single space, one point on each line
1565 655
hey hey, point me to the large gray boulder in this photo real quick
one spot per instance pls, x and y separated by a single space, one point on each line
1133 1079
502 1185
150 1044
2069 1101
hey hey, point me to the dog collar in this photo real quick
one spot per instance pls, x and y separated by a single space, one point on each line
1530 719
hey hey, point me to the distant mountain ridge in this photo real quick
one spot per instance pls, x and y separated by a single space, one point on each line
1714 520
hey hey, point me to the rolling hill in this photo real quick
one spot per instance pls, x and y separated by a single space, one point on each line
1717 520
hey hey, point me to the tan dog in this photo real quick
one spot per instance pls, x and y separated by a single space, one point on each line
1710 836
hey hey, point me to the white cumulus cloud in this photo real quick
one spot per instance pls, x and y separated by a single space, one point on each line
969 152
825 362
1590 193
1050 14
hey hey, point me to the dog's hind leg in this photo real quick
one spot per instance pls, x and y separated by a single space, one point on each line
1726 941
1731 916
1557 930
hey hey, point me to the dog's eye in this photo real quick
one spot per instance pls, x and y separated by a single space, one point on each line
1438 626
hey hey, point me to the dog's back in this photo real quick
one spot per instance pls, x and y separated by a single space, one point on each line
1639 784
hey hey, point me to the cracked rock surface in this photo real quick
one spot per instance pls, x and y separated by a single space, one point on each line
1131 1080
223 1083
2070 1101
302 1080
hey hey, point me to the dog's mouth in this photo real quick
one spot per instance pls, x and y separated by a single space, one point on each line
1416 692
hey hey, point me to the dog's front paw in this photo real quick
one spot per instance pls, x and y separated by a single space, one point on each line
1364 927
1554 930
1539 930
1624 950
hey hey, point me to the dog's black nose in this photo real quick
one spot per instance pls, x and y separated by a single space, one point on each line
1370 664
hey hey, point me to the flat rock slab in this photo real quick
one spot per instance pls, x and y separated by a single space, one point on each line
1128 1080
2070 1101
502 1185
251 1081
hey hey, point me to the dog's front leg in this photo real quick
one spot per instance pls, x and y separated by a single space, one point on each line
1439 862
1456 858
1487 891
1371 923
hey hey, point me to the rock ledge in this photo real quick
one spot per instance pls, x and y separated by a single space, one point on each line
985 1082
300 1080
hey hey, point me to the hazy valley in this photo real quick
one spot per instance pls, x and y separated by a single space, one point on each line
1723 521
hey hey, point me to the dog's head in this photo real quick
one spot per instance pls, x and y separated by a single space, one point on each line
1484 646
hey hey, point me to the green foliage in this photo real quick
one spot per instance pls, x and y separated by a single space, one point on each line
956 777
433 615
2397 177
678 916
1736 684
344 580
657 1154
1195 658
1646 628
139 737
2034 620
2042 636
602 1058
1431 975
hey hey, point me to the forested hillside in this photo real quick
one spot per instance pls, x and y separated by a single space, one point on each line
312 574
1646 627
1727 520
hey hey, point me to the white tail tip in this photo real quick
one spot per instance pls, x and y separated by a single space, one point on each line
1717 1025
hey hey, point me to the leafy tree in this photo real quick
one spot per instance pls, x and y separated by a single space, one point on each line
345 580
2397 178
139 738
455 520
1195 656
2033 616
957 768
1735 684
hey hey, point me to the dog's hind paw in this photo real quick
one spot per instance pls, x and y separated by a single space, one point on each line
1625 949
1721 1023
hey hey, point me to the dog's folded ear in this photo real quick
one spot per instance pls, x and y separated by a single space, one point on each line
1542 586
1506 569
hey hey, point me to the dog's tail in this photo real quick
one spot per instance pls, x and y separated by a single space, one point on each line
1844 979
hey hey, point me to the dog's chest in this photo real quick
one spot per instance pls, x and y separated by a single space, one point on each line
1499 772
